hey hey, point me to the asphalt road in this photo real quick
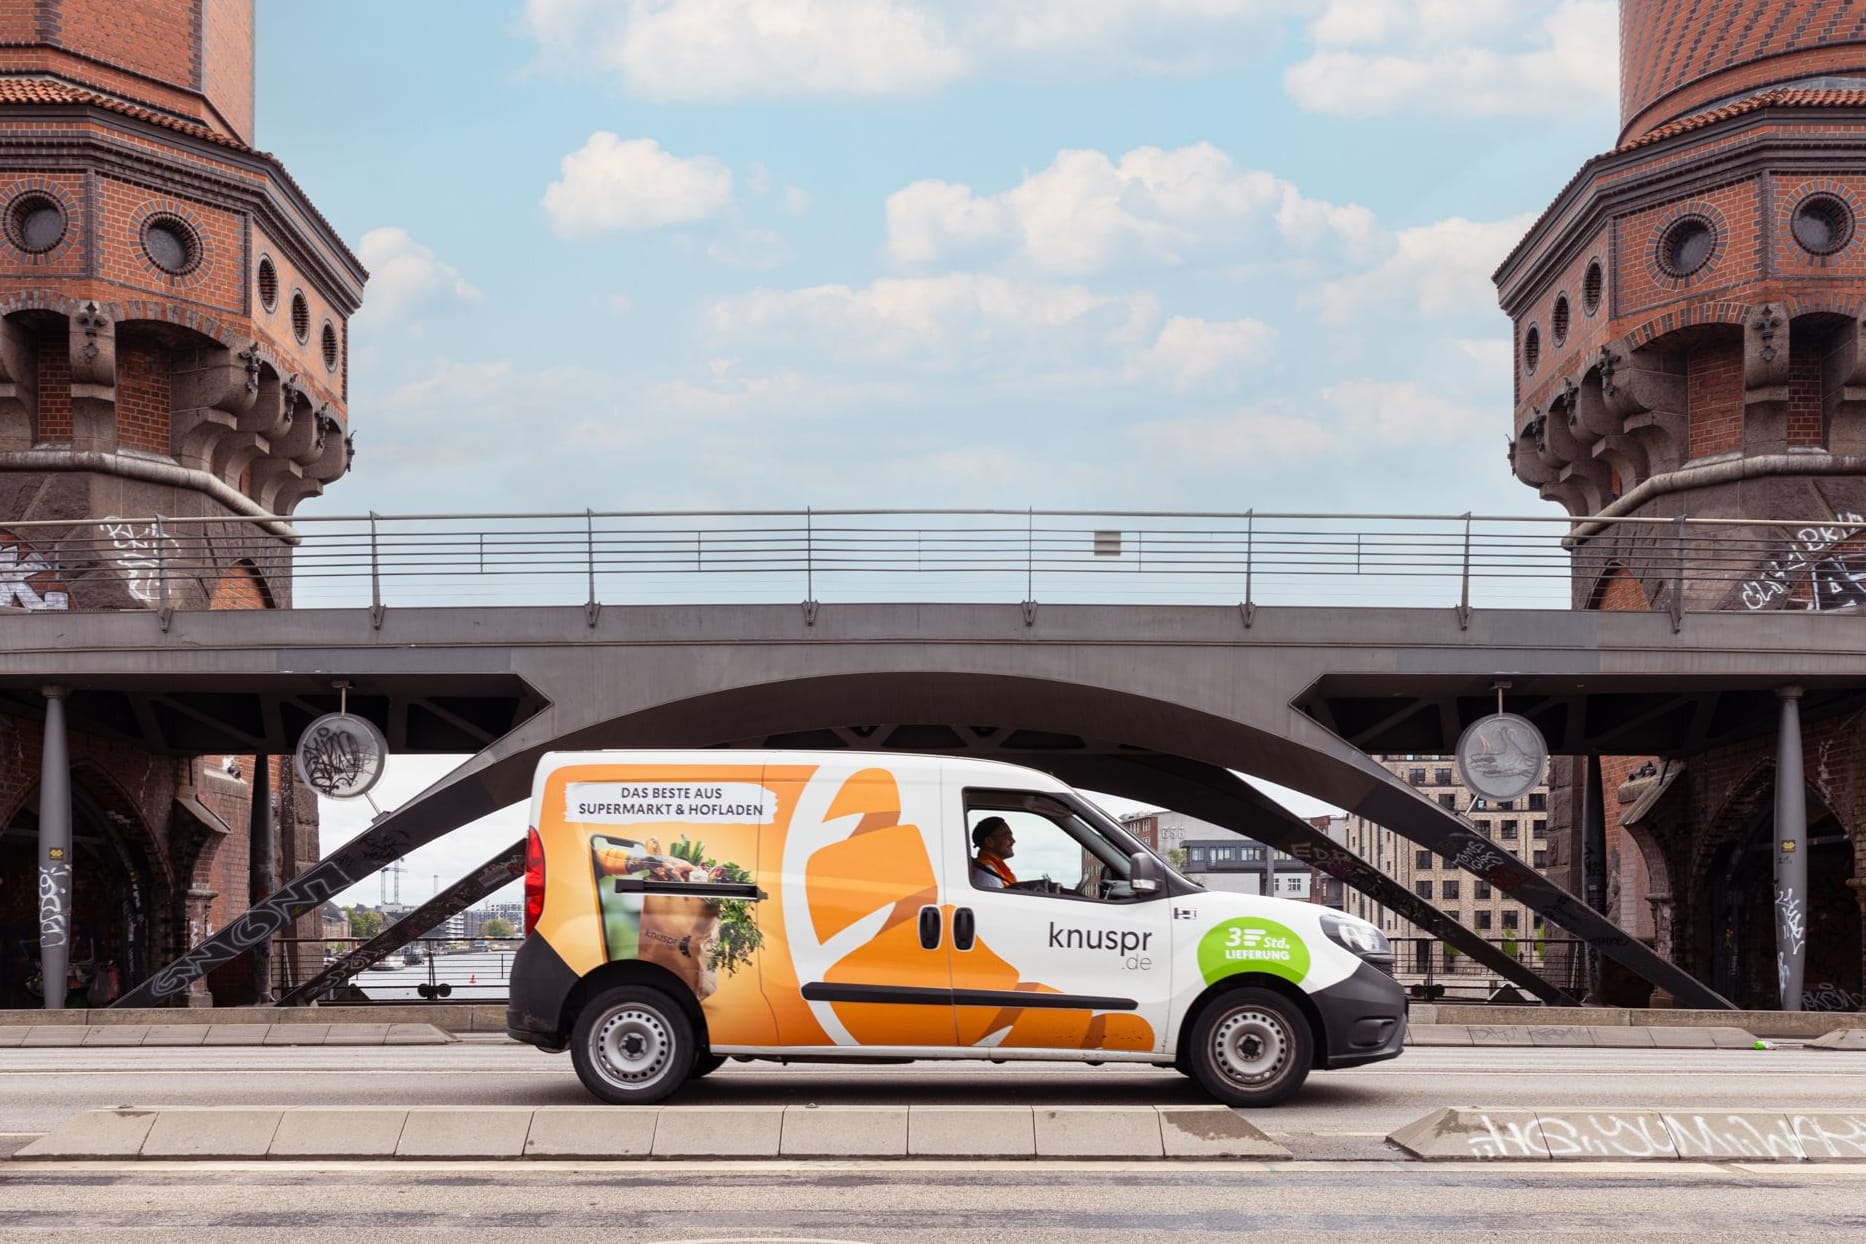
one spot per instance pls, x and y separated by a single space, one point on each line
1339 1114
1346 1182
897 1203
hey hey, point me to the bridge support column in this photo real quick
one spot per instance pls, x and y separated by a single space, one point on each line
260 869
54 851
1791 857
1593 865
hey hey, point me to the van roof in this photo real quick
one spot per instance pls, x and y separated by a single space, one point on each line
986 770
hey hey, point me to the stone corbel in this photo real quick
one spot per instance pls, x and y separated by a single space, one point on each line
1765 381
296 440
1625 455
277 481
1526 456
93 343
1843 380
234 454
271 412
208 395
1578 466
1649 400
19 388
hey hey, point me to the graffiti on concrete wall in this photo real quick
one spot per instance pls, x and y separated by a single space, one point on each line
27 581
141 553
1811 573
1827 996
1643 1134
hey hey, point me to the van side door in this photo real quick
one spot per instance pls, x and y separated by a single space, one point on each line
1052 948
867 960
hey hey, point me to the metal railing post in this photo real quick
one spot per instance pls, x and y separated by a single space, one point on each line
1464 595
1678 575
809 566
590 608
375 576
1250 565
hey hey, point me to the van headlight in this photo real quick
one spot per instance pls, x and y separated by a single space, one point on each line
1358 936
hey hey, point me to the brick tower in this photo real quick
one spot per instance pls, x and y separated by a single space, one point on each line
1689 341
173 343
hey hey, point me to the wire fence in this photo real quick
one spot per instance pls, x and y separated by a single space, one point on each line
429 969
930 555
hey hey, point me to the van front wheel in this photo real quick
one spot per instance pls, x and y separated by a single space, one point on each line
632 1045
1251 1047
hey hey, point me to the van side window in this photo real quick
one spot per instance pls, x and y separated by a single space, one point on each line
1033 843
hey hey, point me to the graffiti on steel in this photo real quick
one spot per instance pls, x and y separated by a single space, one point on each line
54 917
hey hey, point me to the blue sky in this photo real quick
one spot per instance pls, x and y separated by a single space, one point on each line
1175 254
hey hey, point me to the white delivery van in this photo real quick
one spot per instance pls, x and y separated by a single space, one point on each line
682 908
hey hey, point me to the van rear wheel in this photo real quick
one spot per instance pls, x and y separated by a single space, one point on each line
1251 1047
632 1045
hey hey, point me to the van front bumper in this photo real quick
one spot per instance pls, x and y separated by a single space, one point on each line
1365 1017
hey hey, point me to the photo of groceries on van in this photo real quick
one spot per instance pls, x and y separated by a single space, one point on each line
683 908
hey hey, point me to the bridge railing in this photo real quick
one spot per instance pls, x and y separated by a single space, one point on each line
1061 556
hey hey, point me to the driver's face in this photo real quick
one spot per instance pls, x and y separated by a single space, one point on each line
1003 844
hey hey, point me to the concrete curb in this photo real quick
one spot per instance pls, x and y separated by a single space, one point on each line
1588 1036
1851 1039
1797 1024
1633 1134
41 1036
1115 1133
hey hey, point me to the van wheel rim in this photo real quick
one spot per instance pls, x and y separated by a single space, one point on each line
632 1046
1250 1047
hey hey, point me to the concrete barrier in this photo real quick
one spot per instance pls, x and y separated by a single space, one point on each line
971 1132
591 1132
337 1132
1850 1039
1213 1132
63 1035
844 1132
1630 1134
465 1132
719 1132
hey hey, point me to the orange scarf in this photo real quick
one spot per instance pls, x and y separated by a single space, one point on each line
992 863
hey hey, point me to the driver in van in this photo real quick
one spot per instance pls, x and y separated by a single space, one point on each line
995 844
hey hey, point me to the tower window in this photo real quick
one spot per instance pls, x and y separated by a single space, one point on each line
301 317
171 244
329 346
1686 245
35 223
1590 288
1558 320
1532 349
1823 224
268 284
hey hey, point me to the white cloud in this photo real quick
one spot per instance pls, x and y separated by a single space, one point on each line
730 49
1191 354
1351 420
614 185
1438 269
962 321
796 200
1086 213
748 248
405 276
1459 57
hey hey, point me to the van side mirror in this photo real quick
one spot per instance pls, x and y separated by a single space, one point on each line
1145 873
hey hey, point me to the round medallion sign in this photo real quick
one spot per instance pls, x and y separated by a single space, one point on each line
341 755
1502 756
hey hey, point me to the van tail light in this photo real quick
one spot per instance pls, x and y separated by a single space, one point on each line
534 879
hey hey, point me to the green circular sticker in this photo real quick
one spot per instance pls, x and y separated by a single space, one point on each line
1250 944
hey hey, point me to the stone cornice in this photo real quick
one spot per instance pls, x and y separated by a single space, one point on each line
1584 207
268 192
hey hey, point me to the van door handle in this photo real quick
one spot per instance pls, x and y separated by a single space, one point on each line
929 928
964 928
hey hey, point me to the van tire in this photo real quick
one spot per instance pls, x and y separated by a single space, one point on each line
632 1045
1251 1047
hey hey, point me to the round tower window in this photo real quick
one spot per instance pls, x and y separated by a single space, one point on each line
1686 245
1823 224
1532 348
268 284
171 244
1558 320
301 317
35 223
329 346
1590 288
